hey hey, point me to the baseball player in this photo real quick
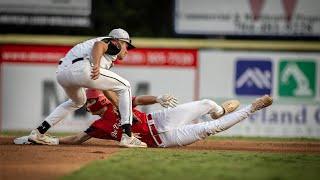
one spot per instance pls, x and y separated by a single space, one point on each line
87 65
165 128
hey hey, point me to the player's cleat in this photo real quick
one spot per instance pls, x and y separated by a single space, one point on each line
38 138
131 142
22 140
228 107
261 103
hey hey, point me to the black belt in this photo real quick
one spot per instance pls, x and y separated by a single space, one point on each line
73 61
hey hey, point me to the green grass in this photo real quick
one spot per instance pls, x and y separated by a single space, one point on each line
156 164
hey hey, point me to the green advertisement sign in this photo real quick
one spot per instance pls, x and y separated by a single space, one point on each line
297 78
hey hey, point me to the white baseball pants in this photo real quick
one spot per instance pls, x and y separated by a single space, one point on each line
176 127
77 76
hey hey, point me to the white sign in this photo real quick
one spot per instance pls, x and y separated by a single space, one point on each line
248 75
280 121
52 7
248 17
72 13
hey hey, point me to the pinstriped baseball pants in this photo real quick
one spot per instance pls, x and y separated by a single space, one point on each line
74 78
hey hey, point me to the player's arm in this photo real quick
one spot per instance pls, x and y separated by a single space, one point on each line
144 100
108 46
164 100
75 139
99 48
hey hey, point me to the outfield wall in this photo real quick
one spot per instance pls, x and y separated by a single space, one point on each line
293 80
29 90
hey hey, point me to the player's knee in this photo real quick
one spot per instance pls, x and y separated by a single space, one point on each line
208 102
79 103
82 102
126 85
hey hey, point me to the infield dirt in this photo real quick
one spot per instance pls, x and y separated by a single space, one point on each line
51 162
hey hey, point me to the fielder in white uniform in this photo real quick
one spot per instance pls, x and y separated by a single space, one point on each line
170 127
87 65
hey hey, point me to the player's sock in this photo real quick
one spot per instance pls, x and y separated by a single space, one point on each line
126 128
229 120
44 127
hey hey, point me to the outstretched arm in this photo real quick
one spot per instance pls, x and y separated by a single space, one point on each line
164 100
75 139
145 100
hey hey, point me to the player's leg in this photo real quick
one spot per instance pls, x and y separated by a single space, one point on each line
77 100
109 80
184 114
191 133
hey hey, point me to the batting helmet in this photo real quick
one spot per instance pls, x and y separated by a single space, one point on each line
100 100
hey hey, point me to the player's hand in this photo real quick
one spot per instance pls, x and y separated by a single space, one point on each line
167 100
95 72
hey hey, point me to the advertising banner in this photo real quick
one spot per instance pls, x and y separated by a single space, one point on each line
292 79
71 13
30 90
248 17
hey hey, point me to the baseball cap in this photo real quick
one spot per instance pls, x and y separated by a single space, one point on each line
121 35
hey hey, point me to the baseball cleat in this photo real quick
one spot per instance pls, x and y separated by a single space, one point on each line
22 140
38 138
228 107
131 142
261 103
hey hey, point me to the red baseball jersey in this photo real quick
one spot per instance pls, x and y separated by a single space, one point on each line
108 126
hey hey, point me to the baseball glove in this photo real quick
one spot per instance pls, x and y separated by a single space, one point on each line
167 100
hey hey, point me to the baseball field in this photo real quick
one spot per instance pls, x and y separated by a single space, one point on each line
214 158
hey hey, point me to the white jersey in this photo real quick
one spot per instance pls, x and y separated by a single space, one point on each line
75 76
83 50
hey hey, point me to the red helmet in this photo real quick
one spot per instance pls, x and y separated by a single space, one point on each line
101 100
